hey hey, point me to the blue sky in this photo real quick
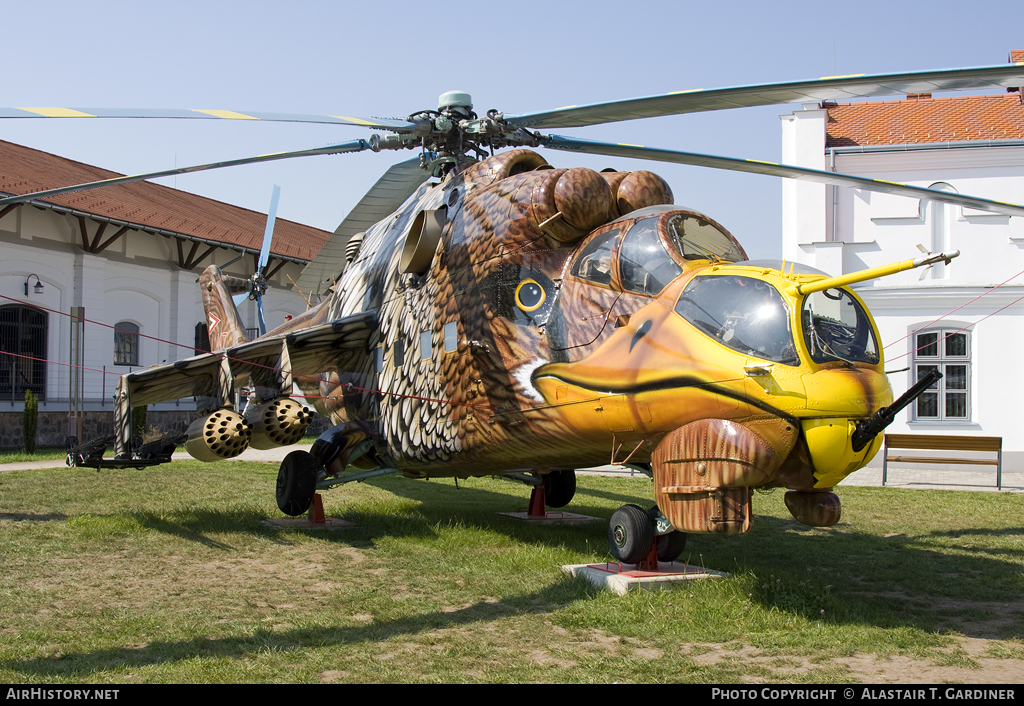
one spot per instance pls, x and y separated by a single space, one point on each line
394 58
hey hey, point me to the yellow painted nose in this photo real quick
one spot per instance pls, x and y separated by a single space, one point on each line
832 454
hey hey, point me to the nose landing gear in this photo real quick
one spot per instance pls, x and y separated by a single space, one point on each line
637 536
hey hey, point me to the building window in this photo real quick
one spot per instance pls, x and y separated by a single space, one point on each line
126 344
949 352
23 335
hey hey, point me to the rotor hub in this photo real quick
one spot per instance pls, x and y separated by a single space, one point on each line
458 101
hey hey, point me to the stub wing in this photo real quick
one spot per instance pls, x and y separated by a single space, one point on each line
272 362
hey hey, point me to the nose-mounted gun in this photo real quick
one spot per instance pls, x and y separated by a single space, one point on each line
868 429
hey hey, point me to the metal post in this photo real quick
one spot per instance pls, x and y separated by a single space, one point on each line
77 378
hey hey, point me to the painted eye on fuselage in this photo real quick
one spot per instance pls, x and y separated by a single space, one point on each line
530 296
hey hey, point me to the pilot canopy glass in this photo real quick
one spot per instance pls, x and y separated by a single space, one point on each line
836 328
698 238
745 314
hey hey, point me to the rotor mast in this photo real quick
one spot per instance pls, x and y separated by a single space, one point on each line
448 135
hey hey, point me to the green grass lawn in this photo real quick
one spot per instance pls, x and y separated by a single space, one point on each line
169 575
41 454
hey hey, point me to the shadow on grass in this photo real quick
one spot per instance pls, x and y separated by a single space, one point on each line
196 525
898 580
83 665
32 517
960 563
878 578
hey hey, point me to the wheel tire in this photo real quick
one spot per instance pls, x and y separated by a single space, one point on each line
559 488
630 534
296 483
670 545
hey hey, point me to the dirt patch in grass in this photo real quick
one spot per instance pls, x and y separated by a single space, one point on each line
986 620
967 661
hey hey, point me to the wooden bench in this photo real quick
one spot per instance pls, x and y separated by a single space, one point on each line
931 442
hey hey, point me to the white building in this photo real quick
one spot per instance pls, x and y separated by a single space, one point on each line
967 318
130 255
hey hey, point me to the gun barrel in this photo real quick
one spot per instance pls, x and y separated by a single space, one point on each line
869 428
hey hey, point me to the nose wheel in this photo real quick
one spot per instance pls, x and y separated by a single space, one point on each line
633 538
630 534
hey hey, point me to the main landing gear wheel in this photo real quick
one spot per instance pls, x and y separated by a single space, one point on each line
296 483
630 534
559 488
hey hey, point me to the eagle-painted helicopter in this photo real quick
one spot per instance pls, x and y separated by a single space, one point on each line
487 314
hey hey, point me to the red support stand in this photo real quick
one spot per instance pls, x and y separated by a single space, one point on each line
316 510
537 502
536 510
651 562
314 518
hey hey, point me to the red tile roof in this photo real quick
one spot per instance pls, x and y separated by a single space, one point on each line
1017 56
24 170
925 119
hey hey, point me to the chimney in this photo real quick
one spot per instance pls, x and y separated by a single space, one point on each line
1017 57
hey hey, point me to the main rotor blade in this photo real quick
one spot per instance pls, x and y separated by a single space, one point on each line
754 166
344 147
259 315
195 114
268 233
814 90
393 188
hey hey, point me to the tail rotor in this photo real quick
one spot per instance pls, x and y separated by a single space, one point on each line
258 283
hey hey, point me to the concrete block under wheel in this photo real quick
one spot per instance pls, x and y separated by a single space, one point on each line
550 517
622 578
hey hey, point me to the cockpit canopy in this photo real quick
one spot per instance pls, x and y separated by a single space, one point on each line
752 317
653 249
836 327
743 313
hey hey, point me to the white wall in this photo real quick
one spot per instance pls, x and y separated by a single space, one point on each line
874 229
136 279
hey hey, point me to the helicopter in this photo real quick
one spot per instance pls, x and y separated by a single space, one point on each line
485 313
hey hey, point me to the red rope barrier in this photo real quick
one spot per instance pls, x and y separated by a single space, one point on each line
463 404
958 330
347 386
988 291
